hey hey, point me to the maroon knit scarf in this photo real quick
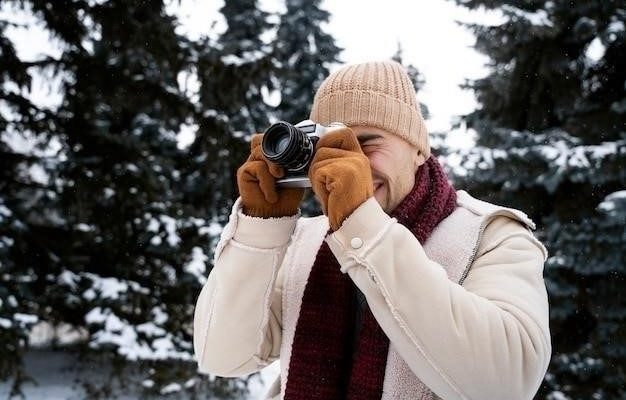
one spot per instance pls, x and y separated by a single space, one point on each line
327 362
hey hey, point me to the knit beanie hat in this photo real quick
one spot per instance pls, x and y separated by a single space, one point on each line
378 94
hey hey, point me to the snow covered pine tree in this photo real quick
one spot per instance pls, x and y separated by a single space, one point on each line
552 140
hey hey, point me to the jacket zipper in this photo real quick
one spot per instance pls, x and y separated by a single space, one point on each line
474 251
481 231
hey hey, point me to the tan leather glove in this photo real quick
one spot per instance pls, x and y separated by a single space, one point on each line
256 180
340 175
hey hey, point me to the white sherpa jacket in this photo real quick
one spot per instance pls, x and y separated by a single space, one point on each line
466 314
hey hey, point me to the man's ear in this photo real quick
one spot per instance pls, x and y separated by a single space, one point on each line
418 160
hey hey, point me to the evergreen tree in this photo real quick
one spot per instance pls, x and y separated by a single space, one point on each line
551 141
133 259
233 72
243 70
246 66
304 53
126 258
117 240
30 228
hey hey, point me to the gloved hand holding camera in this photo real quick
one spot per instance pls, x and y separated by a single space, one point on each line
328 159
340 175
260 195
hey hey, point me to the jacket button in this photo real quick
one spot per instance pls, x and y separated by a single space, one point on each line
356 243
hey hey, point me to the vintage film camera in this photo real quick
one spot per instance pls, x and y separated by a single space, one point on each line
293 147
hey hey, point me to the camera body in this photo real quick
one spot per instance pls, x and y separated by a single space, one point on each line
293 147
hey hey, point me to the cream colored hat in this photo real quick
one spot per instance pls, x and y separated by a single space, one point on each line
378 94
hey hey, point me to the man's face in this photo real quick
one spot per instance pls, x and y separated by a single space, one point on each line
393 161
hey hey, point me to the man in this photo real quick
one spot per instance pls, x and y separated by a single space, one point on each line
404 289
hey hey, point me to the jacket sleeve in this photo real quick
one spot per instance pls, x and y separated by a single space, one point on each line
237 320
487 339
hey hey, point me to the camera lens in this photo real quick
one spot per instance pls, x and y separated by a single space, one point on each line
287 146
281 143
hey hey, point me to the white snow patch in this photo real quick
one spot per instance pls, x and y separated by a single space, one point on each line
189 84
556 260
44 333
4 212
197 18
132 167
271 98
186 135
537 18
171 388
461 138
28 29
6 242
557 395
159 316
614 28
148 383
110 288
312 45
578 158
214 229
209 113
68 278
595 51
150 329
95 316
25 319
118 332
170 227
246 57
89 294
38 174
67 334
197 265
85 227
169 224
28 143
108 192
454 162
153 225
610 203
259 385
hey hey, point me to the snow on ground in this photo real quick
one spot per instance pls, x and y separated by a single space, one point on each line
260 384
56 375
